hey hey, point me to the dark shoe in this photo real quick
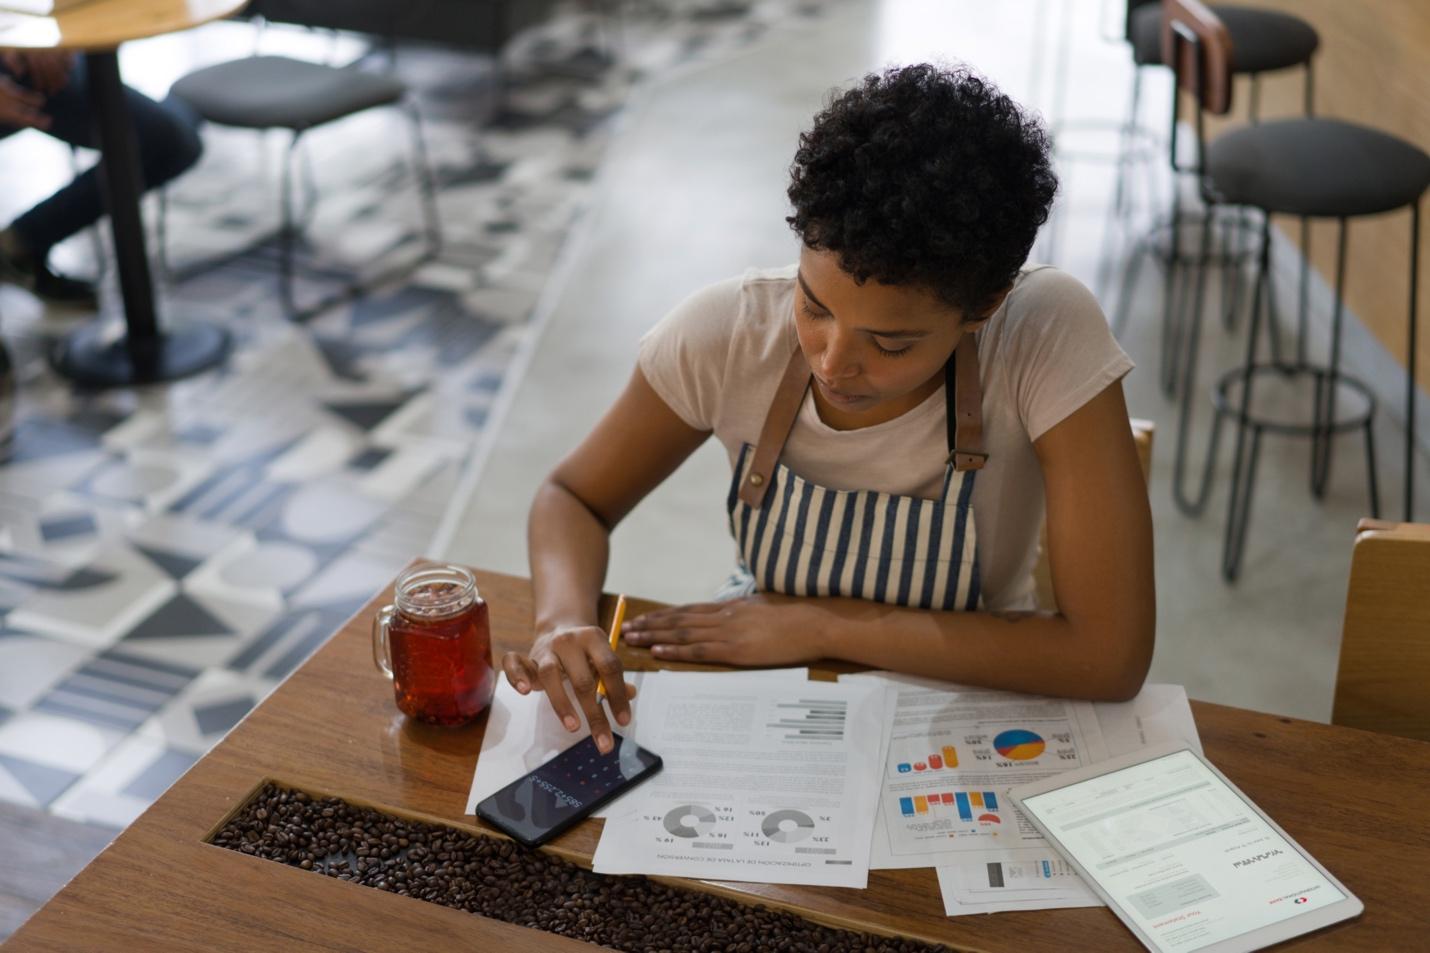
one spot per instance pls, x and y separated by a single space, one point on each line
34 275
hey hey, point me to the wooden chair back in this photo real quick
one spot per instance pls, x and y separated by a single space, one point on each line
1383 683
1042 571
1196 43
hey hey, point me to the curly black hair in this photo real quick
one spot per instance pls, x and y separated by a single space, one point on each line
924 176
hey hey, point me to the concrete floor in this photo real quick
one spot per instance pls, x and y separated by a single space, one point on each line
693 191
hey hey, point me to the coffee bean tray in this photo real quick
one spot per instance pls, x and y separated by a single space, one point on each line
496 878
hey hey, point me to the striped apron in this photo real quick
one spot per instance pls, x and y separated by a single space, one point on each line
801 539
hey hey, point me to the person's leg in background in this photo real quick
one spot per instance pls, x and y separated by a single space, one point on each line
168 140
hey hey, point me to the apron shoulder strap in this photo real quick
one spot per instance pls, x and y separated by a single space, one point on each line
778 423
964 392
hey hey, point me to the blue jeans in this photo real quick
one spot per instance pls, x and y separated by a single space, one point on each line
168 140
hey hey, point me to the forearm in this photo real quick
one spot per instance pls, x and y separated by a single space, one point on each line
1041 653
568 549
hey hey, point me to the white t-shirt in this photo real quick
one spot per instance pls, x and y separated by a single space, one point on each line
719 356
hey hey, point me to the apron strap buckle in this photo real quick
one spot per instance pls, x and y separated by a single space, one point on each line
967 459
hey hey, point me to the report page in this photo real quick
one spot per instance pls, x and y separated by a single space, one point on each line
1185 857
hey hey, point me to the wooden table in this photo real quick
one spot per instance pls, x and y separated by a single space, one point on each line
1354 799
145 354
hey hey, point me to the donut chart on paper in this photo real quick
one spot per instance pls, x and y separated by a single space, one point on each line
775 826
689 820
1019 744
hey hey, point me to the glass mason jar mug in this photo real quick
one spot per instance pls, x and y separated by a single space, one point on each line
435 644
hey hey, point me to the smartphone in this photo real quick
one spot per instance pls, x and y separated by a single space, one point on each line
537 807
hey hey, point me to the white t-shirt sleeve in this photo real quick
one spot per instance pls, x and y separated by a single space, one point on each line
1065 352
684 356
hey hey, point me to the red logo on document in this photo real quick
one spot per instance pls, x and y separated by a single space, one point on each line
1301 900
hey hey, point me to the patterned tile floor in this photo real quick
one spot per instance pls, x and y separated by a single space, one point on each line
168 555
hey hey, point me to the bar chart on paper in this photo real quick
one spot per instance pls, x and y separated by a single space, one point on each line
915 756
968 806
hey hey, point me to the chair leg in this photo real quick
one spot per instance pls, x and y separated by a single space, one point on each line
1370 469
287 231
162 234
1411 354
1324 419
1303 304
1243 471
1238 514
1122 311
1170 299
426 181
1194 504
1120 210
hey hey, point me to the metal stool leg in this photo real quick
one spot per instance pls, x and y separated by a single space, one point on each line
1243 479
1170 299
1370 470
1122 312
1411 355
287 230
1324 417
426 182
1238 513
1194 504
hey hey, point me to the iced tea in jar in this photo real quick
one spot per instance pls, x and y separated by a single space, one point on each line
435 644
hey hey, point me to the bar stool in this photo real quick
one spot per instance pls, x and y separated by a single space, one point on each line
1262 41
1312 168
277 92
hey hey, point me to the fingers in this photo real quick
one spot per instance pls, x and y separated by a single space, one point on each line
694 652
520 671
701 616
553 681
577 663
608 666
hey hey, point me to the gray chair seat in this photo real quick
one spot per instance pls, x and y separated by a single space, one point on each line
1317 167
266 92
1261 40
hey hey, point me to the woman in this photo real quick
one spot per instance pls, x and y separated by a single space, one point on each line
899 410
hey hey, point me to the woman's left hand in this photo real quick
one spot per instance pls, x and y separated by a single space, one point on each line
756 630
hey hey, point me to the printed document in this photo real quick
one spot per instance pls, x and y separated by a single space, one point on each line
764 781
1159 713
523 732
953 754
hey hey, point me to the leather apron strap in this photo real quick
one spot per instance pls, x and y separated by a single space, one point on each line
789 396
963 393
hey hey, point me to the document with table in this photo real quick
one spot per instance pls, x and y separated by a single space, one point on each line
773 778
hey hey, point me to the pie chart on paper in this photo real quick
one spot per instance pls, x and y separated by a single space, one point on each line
1019 744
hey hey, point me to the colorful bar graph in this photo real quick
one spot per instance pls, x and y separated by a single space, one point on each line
964 802
948 758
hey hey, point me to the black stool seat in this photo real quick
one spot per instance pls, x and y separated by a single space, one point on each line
1261 40
267 92
1317 167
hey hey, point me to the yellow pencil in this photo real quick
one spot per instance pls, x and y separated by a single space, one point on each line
616 621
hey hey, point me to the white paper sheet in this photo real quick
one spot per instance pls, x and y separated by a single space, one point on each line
524 733
761 783
1159 713
954 753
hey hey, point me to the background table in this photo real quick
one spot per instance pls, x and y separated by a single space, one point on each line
145 354
1354 799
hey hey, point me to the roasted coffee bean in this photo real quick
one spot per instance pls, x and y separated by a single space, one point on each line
498 879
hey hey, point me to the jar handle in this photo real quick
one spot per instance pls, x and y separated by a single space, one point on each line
381 649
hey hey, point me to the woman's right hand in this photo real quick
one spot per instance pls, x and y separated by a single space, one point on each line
578 654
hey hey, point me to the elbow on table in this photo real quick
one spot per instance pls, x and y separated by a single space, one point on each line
1120 664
